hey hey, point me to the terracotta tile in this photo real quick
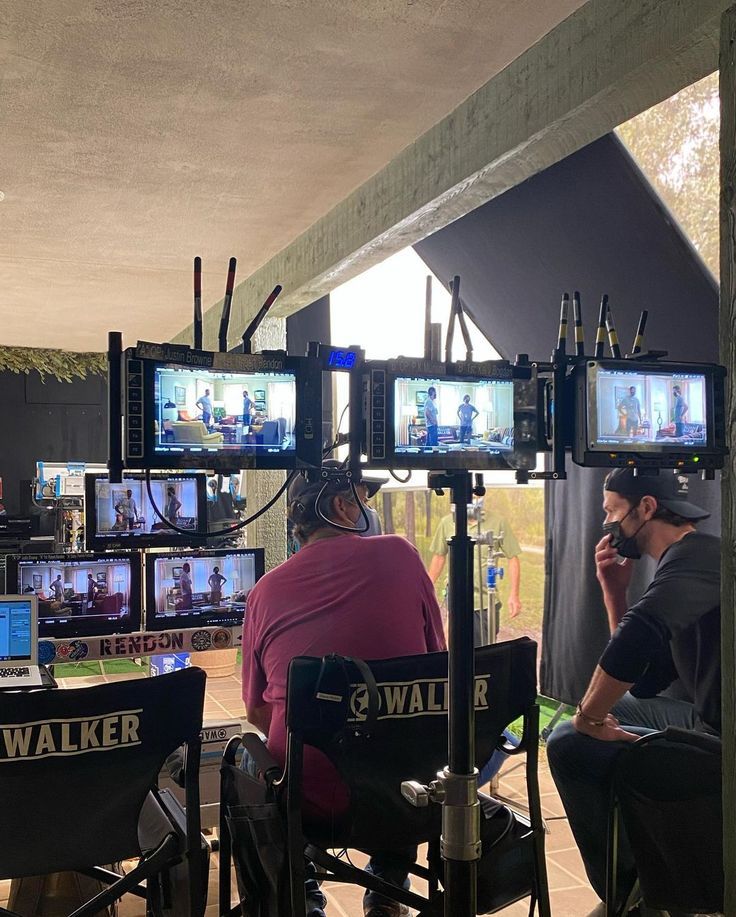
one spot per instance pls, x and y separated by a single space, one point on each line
574 902
571 861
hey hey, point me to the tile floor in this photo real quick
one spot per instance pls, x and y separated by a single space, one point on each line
570 892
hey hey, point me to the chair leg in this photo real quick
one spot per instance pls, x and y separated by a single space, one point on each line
612 860
225 867
535 813
150 866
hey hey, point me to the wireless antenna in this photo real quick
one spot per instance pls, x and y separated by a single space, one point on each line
225 318
612 336
562 333
579 332
198 303
456 312
253 327
639 338
600 338
428 319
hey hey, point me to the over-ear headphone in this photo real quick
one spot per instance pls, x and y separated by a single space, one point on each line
298 511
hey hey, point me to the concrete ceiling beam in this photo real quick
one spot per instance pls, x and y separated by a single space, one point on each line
604 64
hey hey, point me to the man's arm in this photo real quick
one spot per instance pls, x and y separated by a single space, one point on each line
260 717
514 568
614 578
436 566
593 717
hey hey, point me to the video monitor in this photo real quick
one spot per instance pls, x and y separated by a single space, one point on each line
192 409
123 515
451 418
80 595
663 414
200 588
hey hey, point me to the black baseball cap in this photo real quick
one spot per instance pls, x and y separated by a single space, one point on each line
669 490
300 488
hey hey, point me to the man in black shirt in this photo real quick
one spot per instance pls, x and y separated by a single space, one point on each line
672 632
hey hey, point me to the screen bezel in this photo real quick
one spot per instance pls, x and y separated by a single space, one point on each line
84 626
666 455
522 455
168 537
194 619
308 407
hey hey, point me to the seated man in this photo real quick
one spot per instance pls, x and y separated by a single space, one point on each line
672 632
340 593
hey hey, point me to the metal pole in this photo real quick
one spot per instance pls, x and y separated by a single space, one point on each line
460 814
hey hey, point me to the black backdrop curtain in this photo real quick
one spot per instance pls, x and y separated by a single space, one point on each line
590 223
313 324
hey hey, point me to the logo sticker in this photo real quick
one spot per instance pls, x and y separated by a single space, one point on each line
201 640
46 652
221 639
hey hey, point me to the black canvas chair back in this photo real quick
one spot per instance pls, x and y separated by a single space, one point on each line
381 723
668 790
387 722
87 758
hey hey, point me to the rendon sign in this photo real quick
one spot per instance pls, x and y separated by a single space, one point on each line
142 644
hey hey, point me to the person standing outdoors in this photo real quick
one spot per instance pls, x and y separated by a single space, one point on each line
490 522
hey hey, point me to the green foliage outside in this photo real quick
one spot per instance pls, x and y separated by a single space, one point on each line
675 144
61 364
523 507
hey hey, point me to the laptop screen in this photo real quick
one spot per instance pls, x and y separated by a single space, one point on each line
16 618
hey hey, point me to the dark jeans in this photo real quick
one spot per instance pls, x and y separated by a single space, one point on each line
583 768
391 865
679 429
465 434
432 435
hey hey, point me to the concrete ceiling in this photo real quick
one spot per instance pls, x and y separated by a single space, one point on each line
135 134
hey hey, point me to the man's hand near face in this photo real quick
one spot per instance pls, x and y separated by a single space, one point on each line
614 577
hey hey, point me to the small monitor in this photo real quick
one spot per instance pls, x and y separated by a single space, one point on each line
661 414
481 416
124 515
200 589
220 412
80 595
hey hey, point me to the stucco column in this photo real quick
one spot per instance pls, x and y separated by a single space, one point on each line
269 530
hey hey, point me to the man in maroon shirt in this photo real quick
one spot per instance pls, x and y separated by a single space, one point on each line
340 593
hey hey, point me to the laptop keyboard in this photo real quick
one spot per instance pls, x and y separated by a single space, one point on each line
15 672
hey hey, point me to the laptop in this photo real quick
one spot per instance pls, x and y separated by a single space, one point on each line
19 642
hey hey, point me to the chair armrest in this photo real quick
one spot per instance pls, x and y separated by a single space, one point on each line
175 765
700 740
265 762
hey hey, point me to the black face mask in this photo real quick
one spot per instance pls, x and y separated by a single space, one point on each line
626 545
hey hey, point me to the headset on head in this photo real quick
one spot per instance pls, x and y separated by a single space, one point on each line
330 485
